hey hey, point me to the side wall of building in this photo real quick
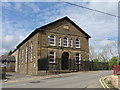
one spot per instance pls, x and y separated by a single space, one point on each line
27 59
16 60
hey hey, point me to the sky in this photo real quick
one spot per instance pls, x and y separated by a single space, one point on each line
19 19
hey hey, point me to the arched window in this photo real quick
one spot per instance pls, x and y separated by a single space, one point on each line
59 41
77 43
52 40
26 53
71 43
22 55
31 46
65 42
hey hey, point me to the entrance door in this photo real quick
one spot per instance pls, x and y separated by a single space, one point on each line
64 62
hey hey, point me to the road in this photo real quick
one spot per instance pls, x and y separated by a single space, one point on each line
82 80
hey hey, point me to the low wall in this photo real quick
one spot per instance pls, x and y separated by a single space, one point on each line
11 67
119 81
2 72
114 79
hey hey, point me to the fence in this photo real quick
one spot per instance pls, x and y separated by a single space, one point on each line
2 72
90 65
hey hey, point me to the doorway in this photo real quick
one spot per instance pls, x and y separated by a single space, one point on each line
64 62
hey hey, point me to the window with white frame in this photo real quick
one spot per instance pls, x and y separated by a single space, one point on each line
52 40
71 43
65 43
26 53
77 43
78 58
59 41
52 56
31 46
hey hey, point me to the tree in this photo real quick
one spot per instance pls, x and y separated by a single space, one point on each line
95 60
10 52
113 61
92 54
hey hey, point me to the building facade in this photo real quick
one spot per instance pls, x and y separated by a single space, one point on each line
60 45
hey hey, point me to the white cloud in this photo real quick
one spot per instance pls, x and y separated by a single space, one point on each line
60 0
18 6
33 6
10 41
99 26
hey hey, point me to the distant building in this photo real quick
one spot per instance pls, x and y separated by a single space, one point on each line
60 45
8 62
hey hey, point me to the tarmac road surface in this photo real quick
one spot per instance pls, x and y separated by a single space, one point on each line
83 80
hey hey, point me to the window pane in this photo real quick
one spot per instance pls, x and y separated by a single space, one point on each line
52 40
65 41
77 43
51 60
51 52
59 41
52 57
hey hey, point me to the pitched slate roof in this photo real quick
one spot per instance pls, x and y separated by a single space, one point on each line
40 29
7 58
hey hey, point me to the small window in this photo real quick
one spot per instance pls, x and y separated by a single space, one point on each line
65 41
52 57
52 40
71 43
77 43
78 58
66 27
59 41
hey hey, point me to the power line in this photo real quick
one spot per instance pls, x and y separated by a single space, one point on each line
92 9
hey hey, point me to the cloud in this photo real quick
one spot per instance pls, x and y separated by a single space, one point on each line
22 7
34 7
18 6
10 41
99 26
12 35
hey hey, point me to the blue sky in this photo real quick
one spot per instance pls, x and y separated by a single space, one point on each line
19 19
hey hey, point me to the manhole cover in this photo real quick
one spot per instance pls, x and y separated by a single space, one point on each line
35 82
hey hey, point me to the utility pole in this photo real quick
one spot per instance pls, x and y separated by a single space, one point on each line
118 52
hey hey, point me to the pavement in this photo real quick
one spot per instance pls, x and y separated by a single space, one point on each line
16 77
13 76
70 80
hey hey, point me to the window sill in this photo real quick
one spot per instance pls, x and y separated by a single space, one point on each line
52 63
51 44
78 63
66 46
77 47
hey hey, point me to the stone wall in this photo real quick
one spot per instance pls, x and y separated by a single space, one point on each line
119 81
27 59
16 60
41 48
114 79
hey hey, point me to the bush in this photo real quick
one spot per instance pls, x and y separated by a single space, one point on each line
113 62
